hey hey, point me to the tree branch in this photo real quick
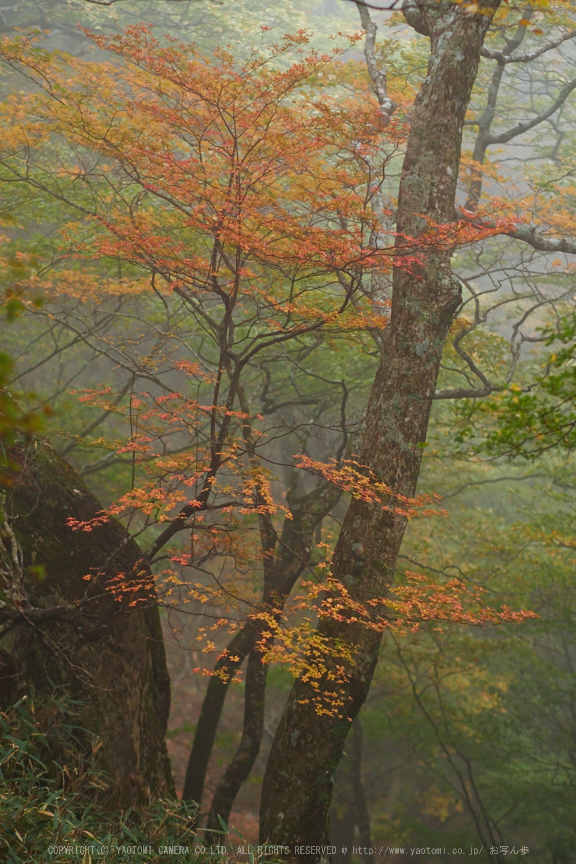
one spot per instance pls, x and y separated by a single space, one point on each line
528 234
528 56
520 128
377 75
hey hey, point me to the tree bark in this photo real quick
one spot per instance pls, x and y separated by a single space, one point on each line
307 748
57 628
211 711
239 769
287 565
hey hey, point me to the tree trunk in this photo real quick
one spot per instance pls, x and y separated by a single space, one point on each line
249 747
289 562
211 711
307 748
360 803
58 628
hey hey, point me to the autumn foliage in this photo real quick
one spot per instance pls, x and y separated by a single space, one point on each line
252 193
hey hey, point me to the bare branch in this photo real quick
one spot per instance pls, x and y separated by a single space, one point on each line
467 394
377 75
520 128
464 486
528 56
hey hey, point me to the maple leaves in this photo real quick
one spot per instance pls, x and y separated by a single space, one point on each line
189 149
359 482
235 189
416 601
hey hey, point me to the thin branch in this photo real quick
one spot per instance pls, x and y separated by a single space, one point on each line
493 480
520 128
528 56
377 75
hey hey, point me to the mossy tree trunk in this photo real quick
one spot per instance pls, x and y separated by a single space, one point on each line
59 628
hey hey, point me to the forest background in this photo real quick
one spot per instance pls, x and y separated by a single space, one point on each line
467 735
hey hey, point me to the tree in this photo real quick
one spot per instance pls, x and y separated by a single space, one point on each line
308 747
468 732
56 633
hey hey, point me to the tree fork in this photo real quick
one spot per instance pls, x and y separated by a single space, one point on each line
300 773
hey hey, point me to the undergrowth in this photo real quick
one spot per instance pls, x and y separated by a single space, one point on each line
53 798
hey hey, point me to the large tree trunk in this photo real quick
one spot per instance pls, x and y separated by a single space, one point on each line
58 628
307 748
